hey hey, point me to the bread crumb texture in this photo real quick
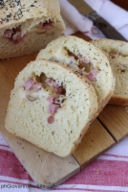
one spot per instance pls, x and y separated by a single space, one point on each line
84 58
117 52
35 115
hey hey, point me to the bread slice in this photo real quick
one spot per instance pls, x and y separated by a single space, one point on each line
83 57
51 107
26 26
117 52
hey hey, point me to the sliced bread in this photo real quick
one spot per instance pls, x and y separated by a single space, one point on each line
51 107
84 58
117 52
26 26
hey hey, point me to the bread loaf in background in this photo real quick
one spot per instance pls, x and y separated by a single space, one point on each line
117 53
51 107
86 59
26 26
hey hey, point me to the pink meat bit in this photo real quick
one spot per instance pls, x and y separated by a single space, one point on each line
46 25
8 33
51 82
29 84
51 99
92 75
32 85
14 35
53 108
51 119
37 86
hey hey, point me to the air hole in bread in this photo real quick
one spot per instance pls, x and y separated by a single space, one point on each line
83 63
84 66
52 86
35 83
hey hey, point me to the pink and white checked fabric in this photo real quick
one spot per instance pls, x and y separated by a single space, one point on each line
109 172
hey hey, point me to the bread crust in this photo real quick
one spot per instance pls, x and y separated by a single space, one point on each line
25 16
76 144
120 49
21 10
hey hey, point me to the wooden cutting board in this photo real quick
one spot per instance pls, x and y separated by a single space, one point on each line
45 168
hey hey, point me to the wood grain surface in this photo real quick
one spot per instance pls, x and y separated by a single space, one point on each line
115 118
94 142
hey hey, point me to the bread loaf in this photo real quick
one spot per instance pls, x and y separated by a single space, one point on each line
26 26
117 52
51 107
84 58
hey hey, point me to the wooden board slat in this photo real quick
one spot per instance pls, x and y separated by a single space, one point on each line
94 142
115 118
46 169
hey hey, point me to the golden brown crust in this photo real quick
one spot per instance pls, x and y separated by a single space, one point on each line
17 11
26 15
106 100
120 49
80 138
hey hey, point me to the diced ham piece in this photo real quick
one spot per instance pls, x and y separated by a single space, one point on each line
29 84
8 33
51 82
51 99
92 75
32 85
51 119
17 37
53 108
47 25
37 86
14 35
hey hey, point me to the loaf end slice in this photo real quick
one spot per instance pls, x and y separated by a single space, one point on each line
117 53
